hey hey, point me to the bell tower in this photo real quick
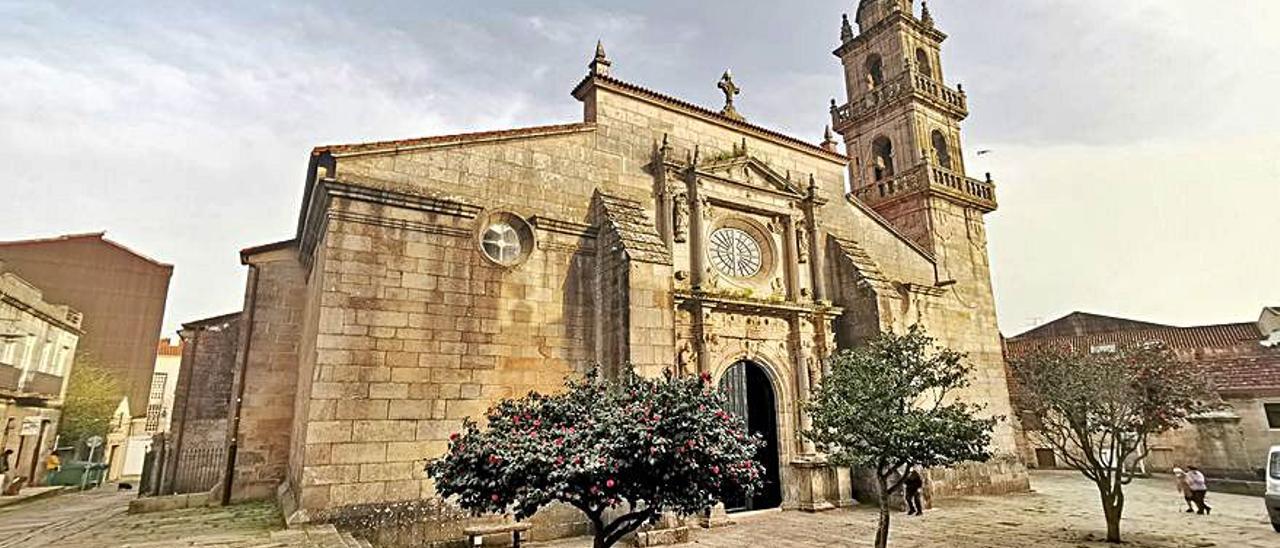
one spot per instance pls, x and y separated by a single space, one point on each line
901 126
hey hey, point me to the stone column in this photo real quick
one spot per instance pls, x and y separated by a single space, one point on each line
817 242
697 239
666 198
697 264
800 361
791 258
817 262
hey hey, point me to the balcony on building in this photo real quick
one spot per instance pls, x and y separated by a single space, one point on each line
42 385
909 84
9 378
933 179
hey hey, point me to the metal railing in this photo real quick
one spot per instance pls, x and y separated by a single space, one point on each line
198 469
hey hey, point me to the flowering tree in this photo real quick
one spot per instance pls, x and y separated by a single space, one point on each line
888 405
644 446
1096 410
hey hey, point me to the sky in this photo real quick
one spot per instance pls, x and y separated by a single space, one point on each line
1134 144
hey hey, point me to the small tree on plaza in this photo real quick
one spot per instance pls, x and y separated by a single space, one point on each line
640 446
887 405
92 396
1097 410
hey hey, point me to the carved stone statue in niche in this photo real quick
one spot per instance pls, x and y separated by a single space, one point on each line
684 359
680 218
802 245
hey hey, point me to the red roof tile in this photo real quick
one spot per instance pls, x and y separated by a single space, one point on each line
1245 373
1233 354
166 348
1177 338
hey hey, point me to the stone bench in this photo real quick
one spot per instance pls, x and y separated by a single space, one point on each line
476 534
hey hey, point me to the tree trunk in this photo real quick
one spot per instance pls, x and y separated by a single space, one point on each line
1112 510
882 530
598 527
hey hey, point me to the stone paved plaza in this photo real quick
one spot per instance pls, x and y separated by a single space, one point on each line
1061 513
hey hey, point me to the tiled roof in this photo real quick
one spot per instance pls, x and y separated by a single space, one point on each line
458 138
708 113
1245 373
1085 323
1188 338
167 348
99 236
1242 364
629 220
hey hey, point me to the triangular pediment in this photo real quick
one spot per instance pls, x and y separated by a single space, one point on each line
749 171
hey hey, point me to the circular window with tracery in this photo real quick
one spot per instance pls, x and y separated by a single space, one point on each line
736 253
506 239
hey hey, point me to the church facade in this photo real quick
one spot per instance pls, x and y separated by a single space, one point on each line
430 278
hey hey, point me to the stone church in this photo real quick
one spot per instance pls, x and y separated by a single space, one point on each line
431 277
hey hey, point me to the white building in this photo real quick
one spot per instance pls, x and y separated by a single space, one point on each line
37 346
130 439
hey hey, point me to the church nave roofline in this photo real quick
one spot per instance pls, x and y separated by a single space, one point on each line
375 147
679 105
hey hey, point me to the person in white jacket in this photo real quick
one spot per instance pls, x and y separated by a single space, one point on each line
1183 489
1195 480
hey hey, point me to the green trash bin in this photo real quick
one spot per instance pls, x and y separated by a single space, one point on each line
76 473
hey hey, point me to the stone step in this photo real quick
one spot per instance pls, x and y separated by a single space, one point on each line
354 542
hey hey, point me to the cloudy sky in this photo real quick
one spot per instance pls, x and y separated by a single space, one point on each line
1135 142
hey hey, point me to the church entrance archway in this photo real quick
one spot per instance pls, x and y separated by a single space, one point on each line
751 396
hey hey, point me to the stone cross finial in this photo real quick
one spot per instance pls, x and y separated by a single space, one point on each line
600 64
846 29
730 89
925 16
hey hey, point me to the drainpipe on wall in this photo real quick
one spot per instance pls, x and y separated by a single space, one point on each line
250 307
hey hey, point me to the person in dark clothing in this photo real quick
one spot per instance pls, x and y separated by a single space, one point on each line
4 469
911 485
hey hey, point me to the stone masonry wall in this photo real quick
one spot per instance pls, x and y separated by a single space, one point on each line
417 331
202 398
270 376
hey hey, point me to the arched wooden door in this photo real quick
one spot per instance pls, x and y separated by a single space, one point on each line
750 395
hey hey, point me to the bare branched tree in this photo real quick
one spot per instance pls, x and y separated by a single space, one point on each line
1097 410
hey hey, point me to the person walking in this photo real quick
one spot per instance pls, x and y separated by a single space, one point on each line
1183 488
4 469
1196 481
51 466
911 484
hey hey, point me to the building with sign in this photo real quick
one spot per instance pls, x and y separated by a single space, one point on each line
38 341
